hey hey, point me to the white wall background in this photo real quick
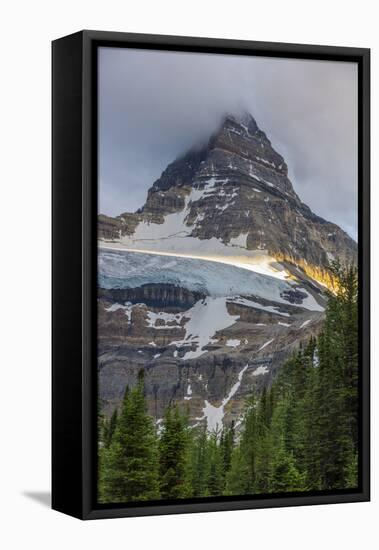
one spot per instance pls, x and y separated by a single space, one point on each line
26 31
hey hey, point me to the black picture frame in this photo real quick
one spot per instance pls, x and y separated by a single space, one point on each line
74 205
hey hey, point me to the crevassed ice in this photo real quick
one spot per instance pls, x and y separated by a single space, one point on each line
126 269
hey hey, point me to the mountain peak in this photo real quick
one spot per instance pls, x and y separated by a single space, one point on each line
240 135
244 119
235 193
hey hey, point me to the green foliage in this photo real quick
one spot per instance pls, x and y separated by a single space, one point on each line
227 443
109 427
336 417
172 451
215 463
129 467
198 469
300 434
285 476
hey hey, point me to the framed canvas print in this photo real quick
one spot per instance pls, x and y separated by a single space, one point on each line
210 275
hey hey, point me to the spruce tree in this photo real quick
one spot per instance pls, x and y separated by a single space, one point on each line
227 442
242 476
336 394
285 476
198 470
172 455
109 429
215 469
129 469
264 444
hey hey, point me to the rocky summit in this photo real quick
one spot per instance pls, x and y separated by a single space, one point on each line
215 281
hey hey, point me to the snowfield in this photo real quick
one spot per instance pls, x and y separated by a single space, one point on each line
206 318
233 343
260 370
173 236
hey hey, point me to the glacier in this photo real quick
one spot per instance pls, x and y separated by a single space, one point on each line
120 269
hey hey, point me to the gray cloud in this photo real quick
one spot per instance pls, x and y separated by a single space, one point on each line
154 105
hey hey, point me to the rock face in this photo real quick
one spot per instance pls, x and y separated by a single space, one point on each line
206 333
215 281
153 295
208 357
236 188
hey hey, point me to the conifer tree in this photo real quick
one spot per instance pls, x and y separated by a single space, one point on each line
263 445
241 478
172 455
198 459
109 429
227 442
130 465
301 433
238 478
285 476
215 463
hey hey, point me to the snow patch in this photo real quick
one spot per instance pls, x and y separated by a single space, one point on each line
233 343
153 317
310 302
240 241
214 415
189 393
127 308
174 225
198 193
205 318
265 161
256 305
266 344
331 257
260 370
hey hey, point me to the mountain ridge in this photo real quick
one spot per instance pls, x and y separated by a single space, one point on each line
237 184
215 281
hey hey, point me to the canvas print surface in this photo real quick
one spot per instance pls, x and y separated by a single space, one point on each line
227 276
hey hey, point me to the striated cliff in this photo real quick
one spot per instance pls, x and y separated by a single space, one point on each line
215 281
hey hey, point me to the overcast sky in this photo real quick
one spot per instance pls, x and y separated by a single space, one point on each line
153 106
